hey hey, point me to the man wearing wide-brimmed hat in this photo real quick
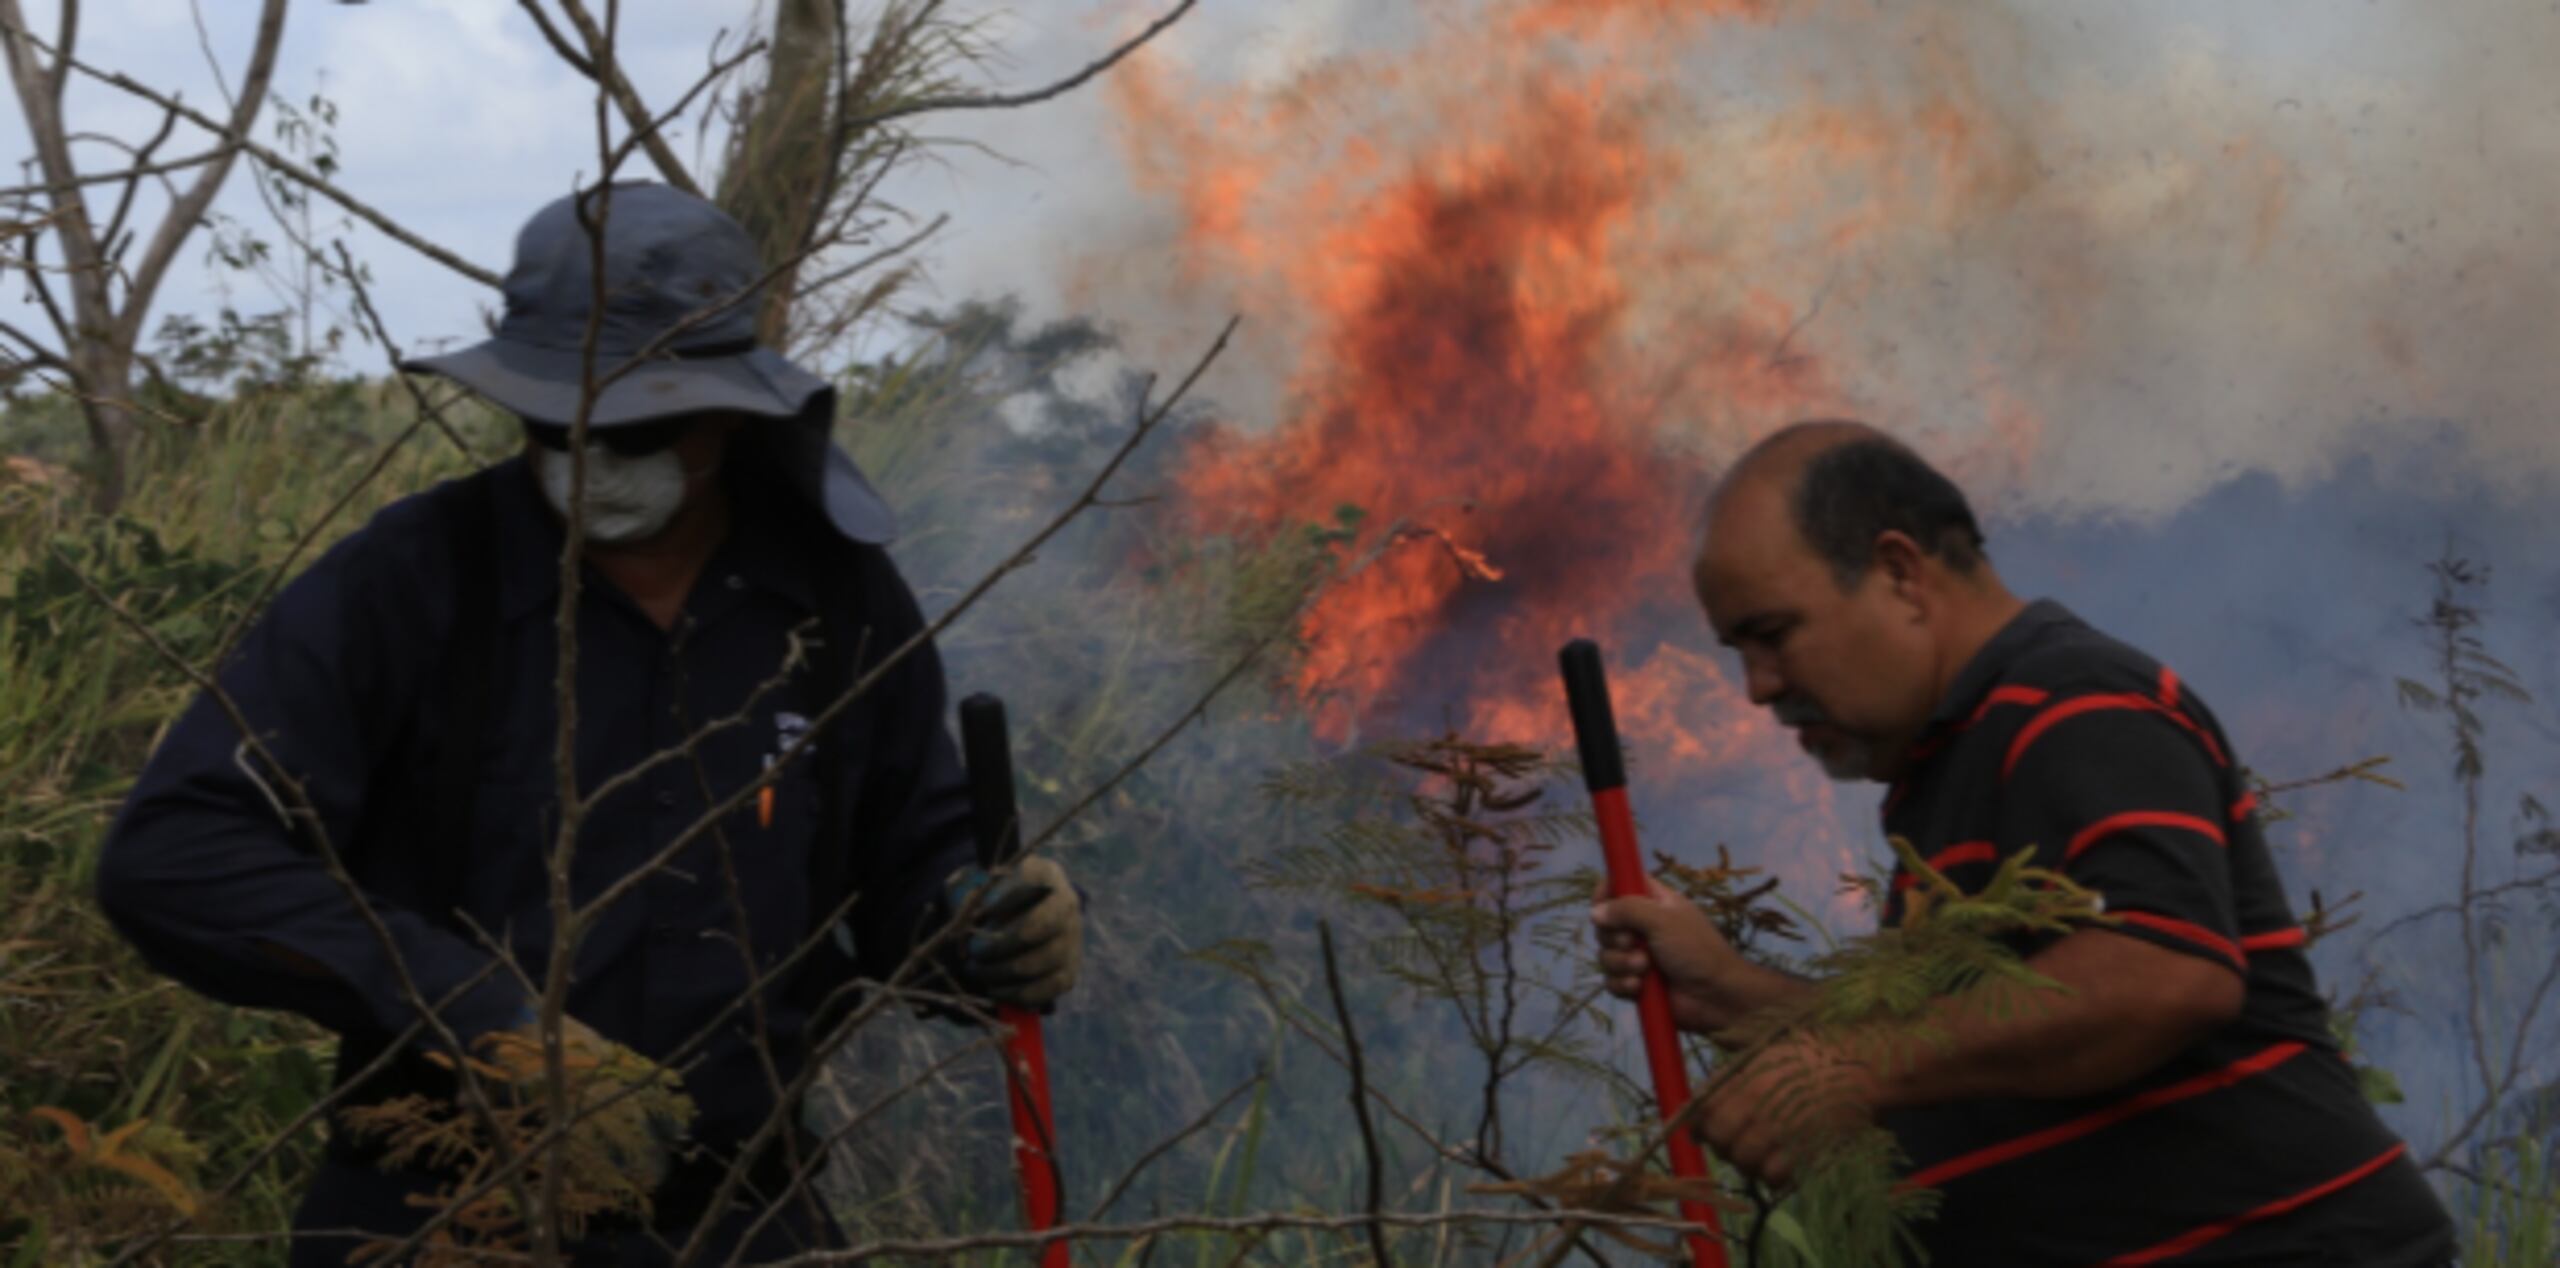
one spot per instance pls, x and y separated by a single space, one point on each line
732 586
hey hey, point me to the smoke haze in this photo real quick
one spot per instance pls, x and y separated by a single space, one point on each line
2230 318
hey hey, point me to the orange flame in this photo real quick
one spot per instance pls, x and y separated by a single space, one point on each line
1466 382
1517 343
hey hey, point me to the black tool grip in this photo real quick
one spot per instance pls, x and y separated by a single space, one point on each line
1595 725
984 744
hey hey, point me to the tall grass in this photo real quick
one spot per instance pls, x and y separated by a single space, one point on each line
91 1040
1106 640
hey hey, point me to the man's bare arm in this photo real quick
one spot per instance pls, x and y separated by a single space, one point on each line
2126 1006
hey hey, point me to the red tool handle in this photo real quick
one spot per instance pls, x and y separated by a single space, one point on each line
1035 1125
988 752
1604 771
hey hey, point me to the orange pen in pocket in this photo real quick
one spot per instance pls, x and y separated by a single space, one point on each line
764 797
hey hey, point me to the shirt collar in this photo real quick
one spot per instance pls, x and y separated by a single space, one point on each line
1992 662
759 550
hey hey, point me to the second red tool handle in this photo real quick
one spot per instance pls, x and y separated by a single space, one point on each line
988 750
1604 772
1026 1060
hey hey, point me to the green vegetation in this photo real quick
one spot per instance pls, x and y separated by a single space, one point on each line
1453 872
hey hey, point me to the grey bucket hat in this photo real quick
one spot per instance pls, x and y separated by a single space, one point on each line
672 262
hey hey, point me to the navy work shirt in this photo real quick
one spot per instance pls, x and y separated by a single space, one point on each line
207 880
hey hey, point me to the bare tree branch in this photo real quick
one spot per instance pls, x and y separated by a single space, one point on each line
889 252
354 278
37 354
62 325
142 163
606 71
85 332
1172 1142
1014 562
281 163
559 43
184 214
651 132
121 174
66 36
297 806
1006 101
1359 1099
941 1248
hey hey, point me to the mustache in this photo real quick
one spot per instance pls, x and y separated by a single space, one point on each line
1799 711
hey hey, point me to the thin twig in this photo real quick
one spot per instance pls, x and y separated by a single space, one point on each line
475 1098
1170 1143
1262 1222
1441 1148
354 278
121 174
1020 558
559 43
428 411
605 68
1359 1097
297 172
1006 101
892 251
2540 881
650 132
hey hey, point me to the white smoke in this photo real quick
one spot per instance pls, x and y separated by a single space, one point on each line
2171 244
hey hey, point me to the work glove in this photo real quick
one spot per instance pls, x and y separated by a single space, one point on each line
1027 942
640 1130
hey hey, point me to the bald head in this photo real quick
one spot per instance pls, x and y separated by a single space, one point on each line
1842 484
1780 457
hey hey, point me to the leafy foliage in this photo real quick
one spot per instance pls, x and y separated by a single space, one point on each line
1476 915
1876 995
616 1098
1107 638
88 1033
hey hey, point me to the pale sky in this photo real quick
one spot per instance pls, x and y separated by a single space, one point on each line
457 120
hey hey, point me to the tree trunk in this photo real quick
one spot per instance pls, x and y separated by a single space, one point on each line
100 334
780 174
103 376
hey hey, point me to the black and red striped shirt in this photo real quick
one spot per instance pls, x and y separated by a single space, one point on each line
2254 1146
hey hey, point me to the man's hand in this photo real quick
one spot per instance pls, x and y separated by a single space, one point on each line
1780 1110
1028 942
1712 986
597 1069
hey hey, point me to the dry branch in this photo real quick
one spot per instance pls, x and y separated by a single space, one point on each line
1007 101
1359 1098
942 1248
604 67
283 165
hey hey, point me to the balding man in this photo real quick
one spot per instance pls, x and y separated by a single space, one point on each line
2181 1099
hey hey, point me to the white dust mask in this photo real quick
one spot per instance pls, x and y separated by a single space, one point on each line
627 498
